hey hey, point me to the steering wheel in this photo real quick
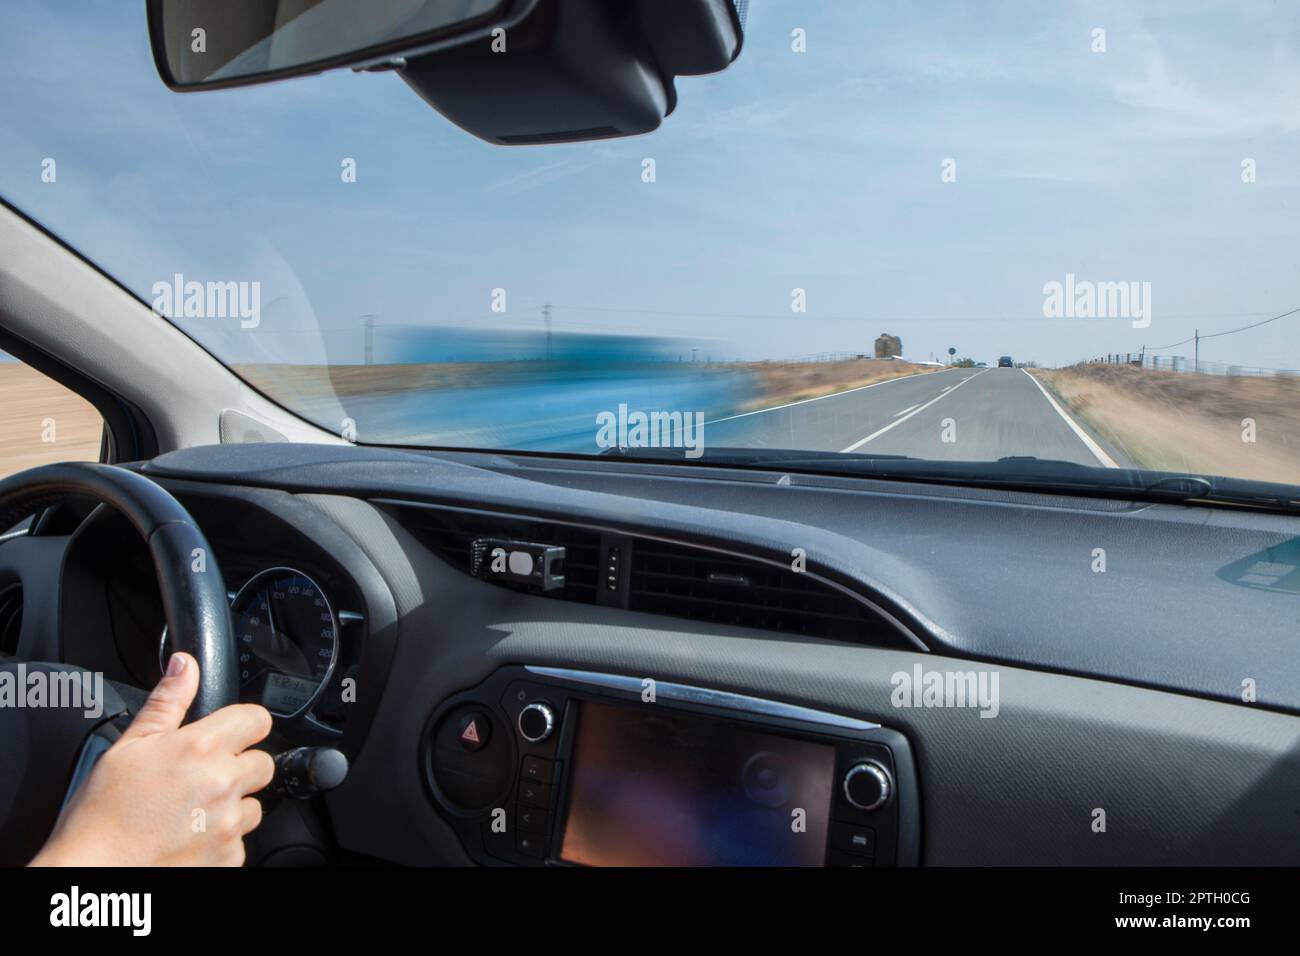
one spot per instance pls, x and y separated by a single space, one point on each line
44 749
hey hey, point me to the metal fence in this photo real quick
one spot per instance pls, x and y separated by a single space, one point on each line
821 357
1181 363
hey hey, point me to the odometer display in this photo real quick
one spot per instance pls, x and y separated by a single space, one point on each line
286 639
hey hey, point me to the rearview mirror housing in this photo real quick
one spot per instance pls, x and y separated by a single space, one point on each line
512 72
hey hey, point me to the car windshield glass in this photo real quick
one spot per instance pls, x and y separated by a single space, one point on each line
952 232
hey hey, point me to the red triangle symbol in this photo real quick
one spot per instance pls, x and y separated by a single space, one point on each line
470 733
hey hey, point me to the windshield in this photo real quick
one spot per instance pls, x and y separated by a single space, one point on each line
954 232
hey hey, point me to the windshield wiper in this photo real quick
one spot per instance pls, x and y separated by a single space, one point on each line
1021 472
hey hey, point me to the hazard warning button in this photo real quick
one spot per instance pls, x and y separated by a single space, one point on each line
474 730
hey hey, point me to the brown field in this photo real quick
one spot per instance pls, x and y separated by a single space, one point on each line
782 383
42 422
1175 421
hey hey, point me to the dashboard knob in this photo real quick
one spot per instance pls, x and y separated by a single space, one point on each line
868 785
536 722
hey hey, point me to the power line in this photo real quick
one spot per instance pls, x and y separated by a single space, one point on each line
1215 335
1253 325
1162 348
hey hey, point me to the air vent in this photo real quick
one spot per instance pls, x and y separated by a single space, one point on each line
705 586
452 535
11 618
674 580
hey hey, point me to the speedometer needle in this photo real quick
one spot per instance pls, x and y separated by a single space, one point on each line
270 620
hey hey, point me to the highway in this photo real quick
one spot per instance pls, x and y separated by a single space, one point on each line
954 414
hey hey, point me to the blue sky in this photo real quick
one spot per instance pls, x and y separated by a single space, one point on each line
817 170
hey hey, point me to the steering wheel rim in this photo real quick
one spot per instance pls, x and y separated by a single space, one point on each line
193 590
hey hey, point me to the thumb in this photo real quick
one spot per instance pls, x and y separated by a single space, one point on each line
166 706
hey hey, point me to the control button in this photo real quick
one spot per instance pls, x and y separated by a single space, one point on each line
851 838
474 730
840 858
536 721
534 794
472 775
531 844
868 785
538 769
532 820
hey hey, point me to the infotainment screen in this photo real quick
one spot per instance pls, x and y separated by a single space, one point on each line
652 787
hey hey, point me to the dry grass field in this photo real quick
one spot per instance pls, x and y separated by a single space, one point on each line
792 382
1187 422
42 422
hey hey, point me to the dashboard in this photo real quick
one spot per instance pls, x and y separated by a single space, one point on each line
470 693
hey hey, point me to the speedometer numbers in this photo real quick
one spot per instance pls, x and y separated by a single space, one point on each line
286 635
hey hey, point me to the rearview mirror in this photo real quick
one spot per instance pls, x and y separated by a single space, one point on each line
509 71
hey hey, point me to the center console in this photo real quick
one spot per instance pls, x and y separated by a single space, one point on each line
543 765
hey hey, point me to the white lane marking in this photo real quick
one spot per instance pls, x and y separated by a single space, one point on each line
1087 439
805 401
898 421
905 411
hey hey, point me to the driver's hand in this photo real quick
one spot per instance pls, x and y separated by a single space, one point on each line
167 795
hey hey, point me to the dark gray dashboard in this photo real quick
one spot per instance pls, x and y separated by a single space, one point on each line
1192 599
1119 692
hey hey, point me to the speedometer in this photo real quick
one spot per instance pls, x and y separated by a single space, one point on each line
286 639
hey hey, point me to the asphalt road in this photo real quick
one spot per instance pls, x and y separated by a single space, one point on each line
955 414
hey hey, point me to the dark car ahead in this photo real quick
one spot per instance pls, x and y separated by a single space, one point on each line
1005 362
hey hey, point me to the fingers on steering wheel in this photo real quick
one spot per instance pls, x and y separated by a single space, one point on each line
235 728
165 708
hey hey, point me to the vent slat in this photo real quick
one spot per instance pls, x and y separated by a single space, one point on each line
744 605
813 594
678 580
694 583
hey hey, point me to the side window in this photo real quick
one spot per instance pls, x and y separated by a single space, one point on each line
41 421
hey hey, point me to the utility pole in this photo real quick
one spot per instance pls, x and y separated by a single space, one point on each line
546 317
370 339
1197 337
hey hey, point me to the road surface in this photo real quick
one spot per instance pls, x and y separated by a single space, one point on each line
954 414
